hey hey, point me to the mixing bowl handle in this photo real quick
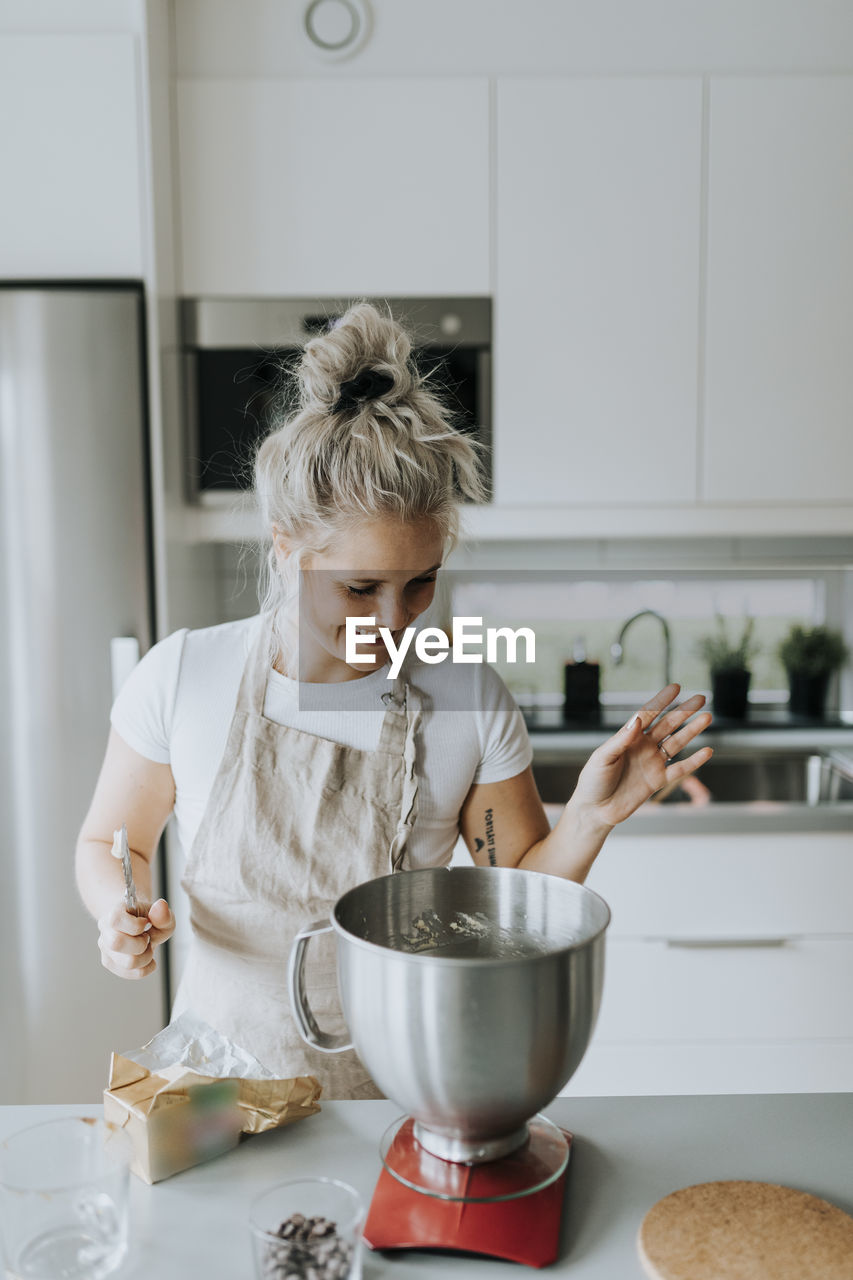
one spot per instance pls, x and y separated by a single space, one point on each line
306 1023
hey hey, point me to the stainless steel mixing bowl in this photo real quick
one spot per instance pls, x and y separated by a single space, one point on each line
470 995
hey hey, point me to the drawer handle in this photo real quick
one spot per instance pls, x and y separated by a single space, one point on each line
720 944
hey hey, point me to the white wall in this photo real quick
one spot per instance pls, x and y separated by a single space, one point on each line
60 16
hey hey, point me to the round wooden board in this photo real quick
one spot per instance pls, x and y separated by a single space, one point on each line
745 1231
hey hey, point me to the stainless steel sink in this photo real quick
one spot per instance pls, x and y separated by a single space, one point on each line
735 789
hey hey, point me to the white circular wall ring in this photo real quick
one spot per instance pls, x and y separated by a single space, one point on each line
336 28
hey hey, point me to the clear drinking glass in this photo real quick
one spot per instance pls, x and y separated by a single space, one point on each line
63 1199
284 1245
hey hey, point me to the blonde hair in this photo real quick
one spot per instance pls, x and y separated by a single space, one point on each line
339 458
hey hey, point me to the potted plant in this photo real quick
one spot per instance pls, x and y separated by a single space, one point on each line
729 665
810 655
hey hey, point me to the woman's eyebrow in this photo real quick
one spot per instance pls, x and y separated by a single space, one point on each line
419 574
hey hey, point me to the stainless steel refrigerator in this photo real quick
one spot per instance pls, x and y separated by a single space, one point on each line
75 573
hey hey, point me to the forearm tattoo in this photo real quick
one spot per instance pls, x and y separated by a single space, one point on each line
490 838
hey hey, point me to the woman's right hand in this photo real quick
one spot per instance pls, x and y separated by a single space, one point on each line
127 942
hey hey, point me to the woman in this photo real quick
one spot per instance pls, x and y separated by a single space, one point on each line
294 773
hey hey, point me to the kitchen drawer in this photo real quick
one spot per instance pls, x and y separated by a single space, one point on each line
796 991
770 1066
727 886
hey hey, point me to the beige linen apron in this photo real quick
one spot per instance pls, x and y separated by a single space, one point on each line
293 821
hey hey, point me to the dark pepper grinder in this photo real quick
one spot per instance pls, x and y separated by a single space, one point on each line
581 682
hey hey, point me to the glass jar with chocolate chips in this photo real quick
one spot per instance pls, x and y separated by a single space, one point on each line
307 1230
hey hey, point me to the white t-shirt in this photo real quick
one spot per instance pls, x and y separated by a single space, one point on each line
176 708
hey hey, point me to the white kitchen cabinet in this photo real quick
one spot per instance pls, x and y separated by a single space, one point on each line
334 186
729 965
779 373
727 887
597 280
70 157
754 991
739 1066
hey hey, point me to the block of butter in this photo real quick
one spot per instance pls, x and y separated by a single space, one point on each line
177 1117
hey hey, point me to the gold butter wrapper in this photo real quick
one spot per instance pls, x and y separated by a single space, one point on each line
178 1118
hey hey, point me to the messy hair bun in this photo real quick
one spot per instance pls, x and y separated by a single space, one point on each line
359 446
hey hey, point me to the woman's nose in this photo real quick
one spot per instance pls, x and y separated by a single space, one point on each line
392 613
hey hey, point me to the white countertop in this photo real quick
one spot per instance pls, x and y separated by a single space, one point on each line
627 1154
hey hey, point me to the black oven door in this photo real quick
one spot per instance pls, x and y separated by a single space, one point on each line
237 396
240 394
239 391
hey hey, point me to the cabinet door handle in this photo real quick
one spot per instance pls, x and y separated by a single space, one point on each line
720 944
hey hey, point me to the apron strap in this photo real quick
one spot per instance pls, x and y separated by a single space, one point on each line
409 804
253 685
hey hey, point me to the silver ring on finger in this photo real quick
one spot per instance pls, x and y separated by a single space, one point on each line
662 749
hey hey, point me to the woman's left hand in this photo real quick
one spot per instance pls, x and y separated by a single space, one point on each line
628 768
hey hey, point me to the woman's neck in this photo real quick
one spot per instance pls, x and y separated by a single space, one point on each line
319 668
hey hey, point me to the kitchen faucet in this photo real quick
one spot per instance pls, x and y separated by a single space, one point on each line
617 651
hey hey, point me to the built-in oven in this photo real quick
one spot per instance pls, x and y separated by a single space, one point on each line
239 351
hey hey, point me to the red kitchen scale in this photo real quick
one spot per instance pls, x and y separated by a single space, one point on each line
509 1207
